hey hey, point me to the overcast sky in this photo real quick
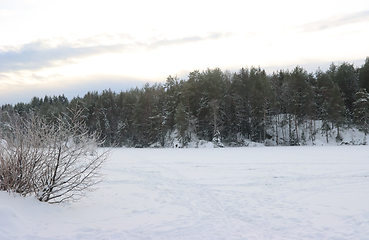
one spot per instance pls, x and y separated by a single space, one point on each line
74 46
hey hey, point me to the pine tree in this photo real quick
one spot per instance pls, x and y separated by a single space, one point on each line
326 129
336 110
300 99
364 75
246 104
347 79
361 110
182 121
241 86
259 103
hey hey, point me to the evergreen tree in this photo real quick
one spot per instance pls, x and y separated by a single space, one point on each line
300 100
172 94
220 105
326 129
259 103
347 79
364 75
336 110
361 111
241 86
324 89
182 122
276 83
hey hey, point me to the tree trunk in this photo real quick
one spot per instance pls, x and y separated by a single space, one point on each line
296 130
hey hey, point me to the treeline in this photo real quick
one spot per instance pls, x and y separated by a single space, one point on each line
222 105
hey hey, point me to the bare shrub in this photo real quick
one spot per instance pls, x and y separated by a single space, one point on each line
56 162
21 153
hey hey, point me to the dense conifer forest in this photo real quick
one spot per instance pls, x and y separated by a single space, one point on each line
221 106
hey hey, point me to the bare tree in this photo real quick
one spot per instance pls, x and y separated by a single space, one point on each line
57 162
21 153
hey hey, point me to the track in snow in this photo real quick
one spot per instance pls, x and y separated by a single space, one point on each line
233 193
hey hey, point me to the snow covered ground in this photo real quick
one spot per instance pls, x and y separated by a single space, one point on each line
230 193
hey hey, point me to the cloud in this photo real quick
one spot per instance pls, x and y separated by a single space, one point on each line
56 52
335 22
186 40
38 54
70 87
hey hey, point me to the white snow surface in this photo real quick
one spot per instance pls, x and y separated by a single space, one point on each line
210 193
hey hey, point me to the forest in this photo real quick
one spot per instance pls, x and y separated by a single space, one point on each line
220 106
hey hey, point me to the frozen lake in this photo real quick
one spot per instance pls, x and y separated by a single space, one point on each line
231 193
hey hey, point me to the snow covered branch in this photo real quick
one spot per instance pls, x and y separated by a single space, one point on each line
56 162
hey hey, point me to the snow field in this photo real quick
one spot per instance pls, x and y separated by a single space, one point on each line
231 193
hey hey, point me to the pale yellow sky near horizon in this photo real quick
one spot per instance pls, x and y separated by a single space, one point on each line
71 47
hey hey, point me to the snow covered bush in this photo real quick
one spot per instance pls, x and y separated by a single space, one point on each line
217 140
56 162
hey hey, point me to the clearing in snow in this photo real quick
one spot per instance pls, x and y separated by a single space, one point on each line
229 193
